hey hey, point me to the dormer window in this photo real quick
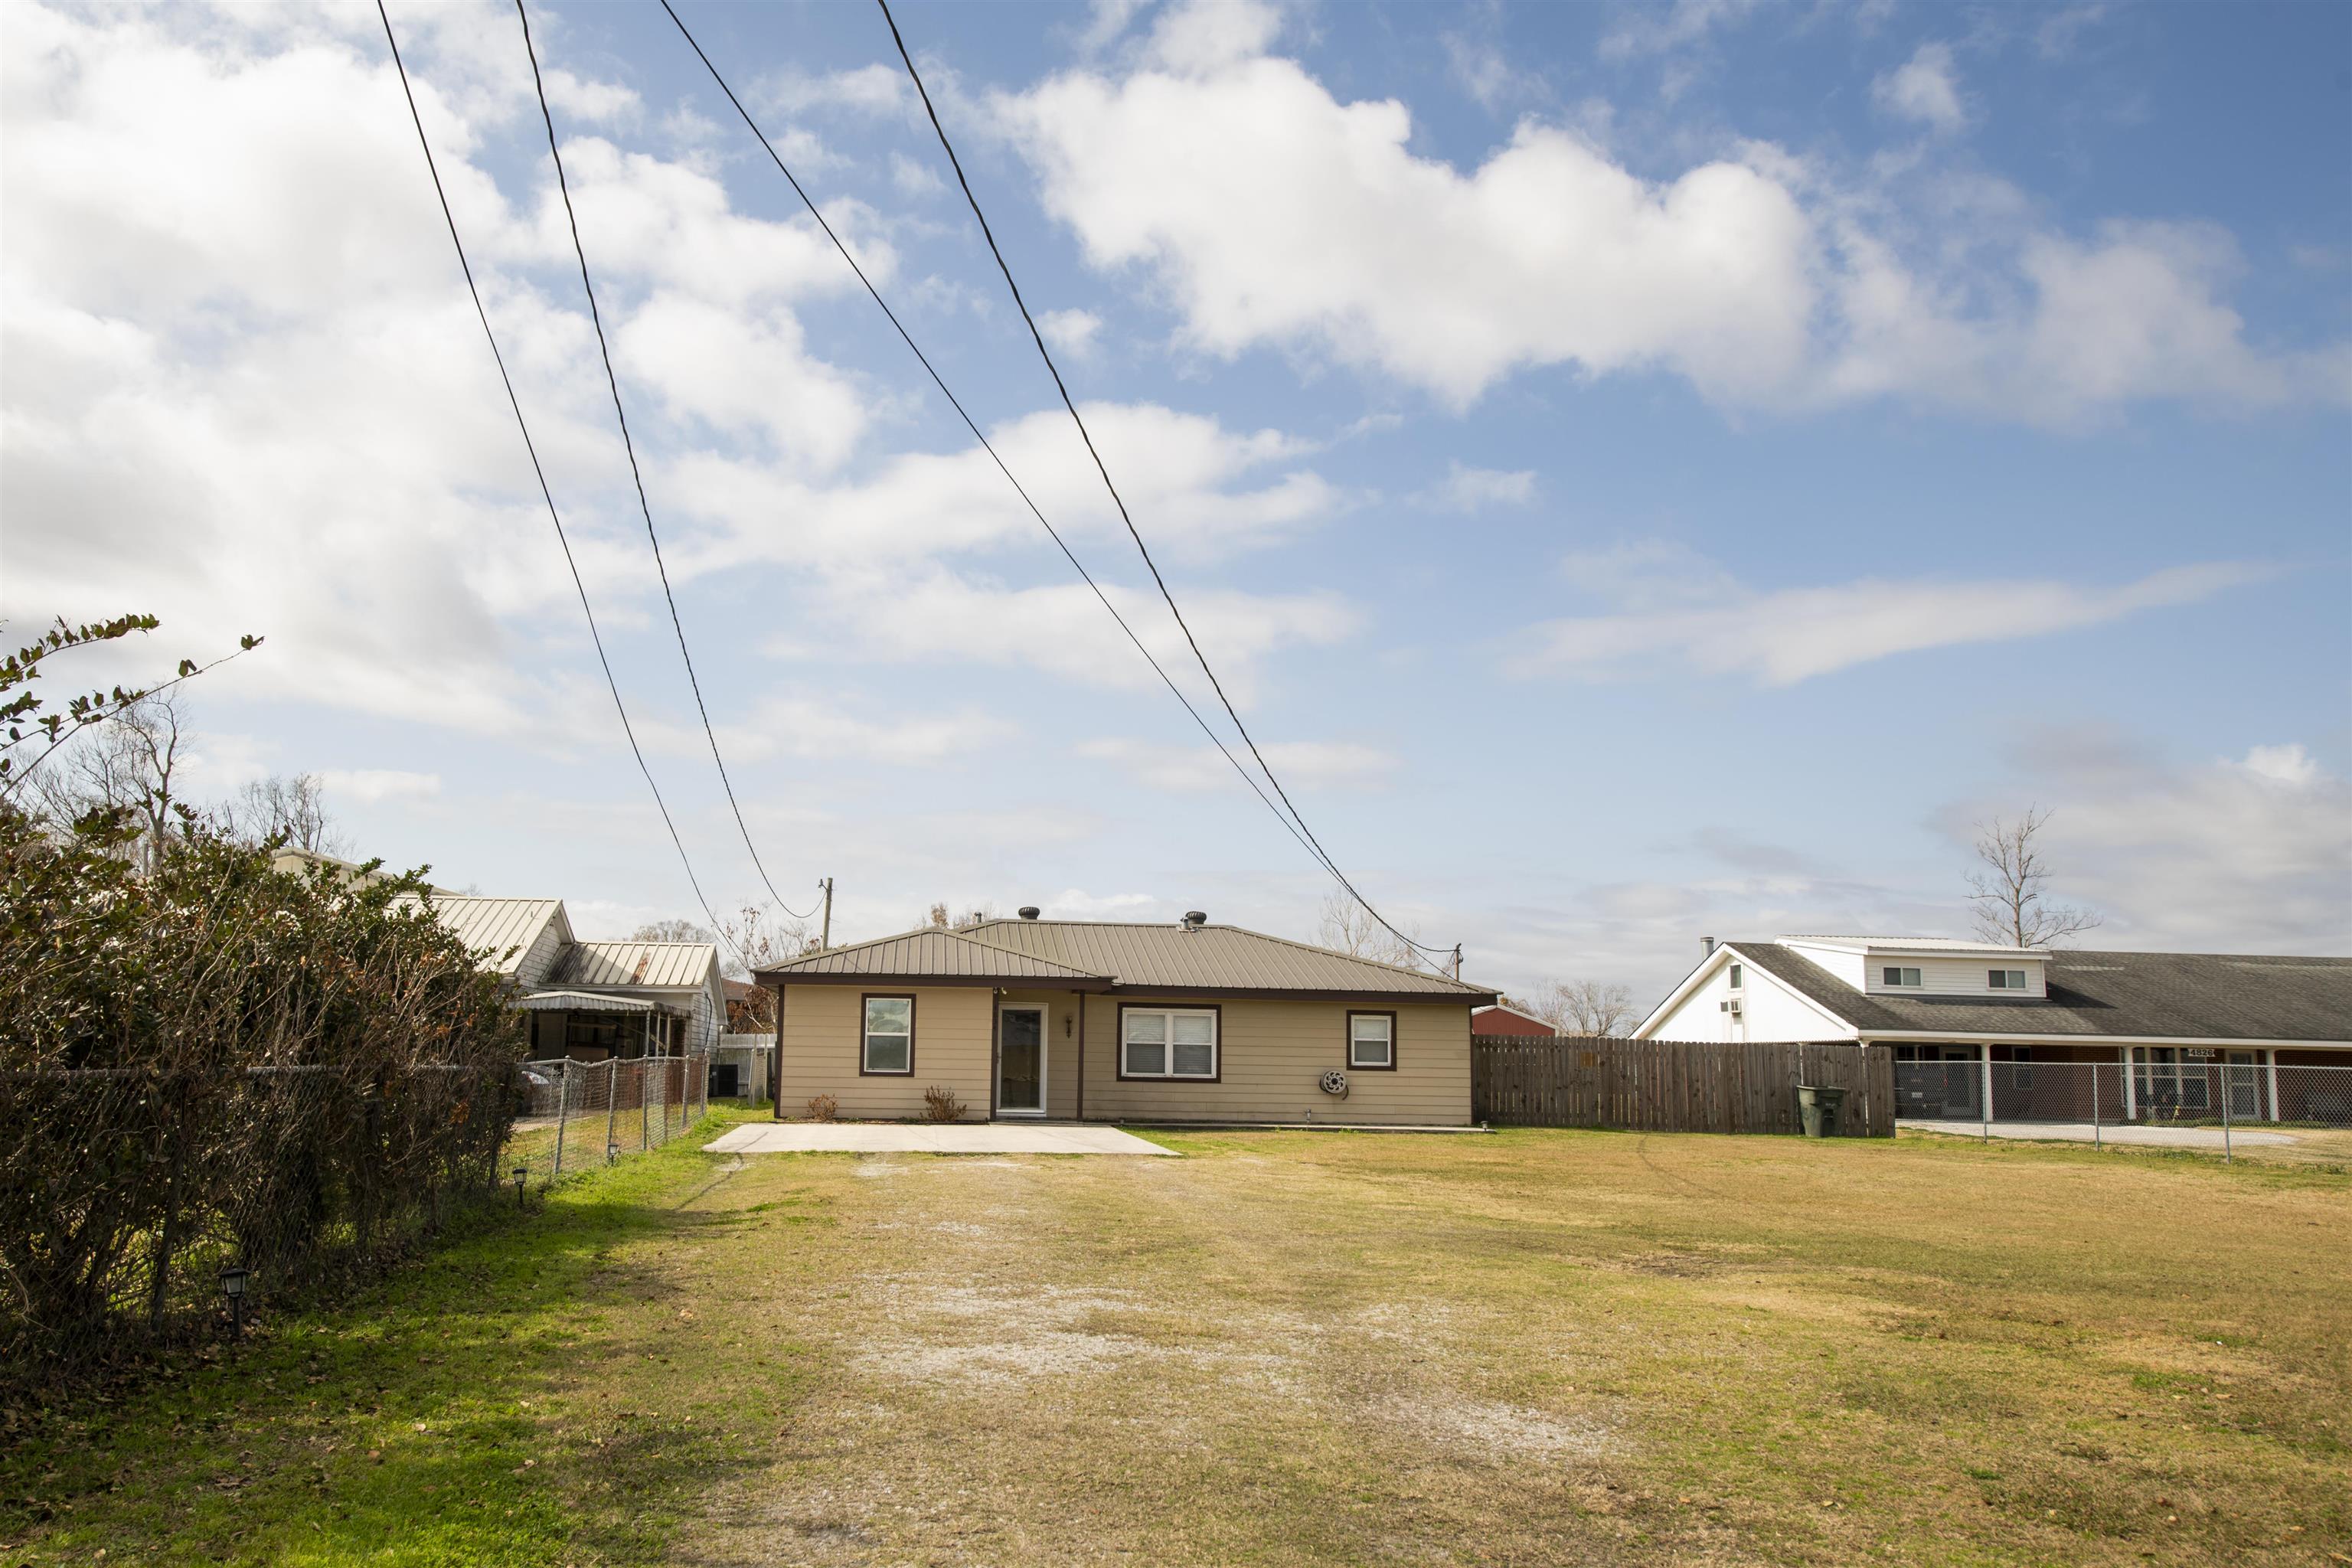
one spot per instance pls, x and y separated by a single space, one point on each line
1892 975
1737 980
2005 979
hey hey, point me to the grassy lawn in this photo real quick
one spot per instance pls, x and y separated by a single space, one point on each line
1529 1348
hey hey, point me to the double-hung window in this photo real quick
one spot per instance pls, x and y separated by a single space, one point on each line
1372 1041
2005 979
1168 1042
889 1036
1891 975
1739 978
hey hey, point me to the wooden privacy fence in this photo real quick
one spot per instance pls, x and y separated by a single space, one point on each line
1672 1086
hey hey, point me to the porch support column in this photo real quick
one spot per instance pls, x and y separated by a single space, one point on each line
1984 1071
2269 1077
1082 1053
2131 1094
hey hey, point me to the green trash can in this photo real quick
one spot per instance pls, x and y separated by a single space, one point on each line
1819 1105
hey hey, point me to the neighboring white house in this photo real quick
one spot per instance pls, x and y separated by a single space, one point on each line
1969 1021
591 1000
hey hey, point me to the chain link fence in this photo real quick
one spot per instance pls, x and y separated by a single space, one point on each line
580 1116
2230 1102
141 1207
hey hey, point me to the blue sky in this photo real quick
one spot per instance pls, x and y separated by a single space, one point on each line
1646 471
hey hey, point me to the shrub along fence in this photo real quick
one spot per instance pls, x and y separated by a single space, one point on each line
1670 1086
209 1065
129 1191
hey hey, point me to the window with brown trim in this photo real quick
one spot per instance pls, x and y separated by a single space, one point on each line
1371 1042
1168 1042
887 1044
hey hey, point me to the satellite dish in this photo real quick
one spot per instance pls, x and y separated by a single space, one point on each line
1335 1082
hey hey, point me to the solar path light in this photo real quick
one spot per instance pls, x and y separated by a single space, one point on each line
233 1280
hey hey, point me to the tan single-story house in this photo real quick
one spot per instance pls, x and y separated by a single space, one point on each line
1102 1021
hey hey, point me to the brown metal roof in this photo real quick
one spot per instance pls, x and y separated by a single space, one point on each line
502 927
941 956
634 964
1214 958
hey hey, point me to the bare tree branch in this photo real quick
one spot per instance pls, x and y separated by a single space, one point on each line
2008 891
1585 1007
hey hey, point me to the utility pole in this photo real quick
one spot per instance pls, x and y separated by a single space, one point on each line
825 939
1457 961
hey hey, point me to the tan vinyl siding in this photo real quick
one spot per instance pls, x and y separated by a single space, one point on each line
954 1045
1270 1053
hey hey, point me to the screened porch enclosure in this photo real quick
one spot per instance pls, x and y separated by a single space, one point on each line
589 1027
2121 1085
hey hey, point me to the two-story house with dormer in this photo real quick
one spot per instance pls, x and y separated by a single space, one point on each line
1969 1023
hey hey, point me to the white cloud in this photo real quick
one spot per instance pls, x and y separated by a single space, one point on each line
1686 614
875 88
802 727
2248 856
1274 214
371 785
246 391
1062 628
914 179
1648 30
1072 331
1924 88
1300 764
1466 488
1198 490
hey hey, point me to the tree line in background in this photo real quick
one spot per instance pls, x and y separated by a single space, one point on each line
208 1063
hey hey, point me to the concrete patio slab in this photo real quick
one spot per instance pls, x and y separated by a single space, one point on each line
2083 1133
918 1138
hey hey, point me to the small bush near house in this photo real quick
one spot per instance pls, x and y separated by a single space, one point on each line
824 1107
940 1104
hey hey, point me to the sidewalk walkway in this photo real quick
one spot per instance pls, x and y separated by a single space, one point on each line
2082 1133
923 1138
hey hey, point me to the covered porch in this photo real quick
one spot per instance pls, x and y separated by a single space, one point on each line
598 1025
2119 1085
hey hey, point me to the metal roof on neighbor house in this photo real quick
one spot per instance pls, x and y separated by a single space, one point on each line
593 1001
930 954
634 964
2132 996
1214 958
505 927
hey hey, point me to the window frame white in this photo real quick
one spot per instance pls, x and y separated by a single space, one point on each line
866 1032
1170 1013
1897 983
1391 1018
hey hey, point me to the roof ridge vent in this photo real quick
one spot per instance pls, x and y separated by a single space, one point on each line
1194 920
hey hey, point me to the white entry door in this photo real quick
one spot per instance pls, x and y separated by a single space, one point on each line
1021 1061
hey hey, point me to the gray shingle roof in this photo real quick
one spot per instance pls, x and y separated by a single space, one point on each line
1110 955
2144 995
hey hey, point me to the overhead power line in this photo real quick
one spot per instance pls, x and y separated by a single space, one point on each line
644 507
768 146
546 494
1087 436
